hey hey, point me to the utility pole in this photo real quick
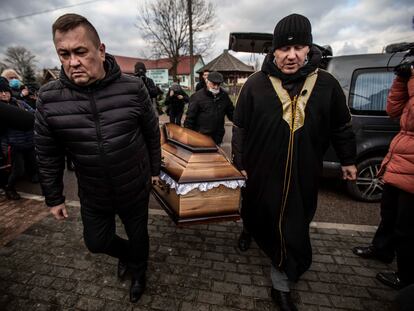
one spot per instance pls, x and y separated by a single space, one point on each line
190 21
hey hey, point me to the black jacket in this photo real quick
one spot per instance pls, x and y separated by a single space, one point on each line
19 139
200 85
150 85
109 129
206 113
15 118
174 104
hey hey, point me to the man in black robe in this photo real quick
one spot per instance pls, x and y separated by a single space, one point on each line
286 116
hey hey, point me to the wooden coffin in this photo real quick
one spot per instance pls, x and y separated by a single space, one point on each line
190 159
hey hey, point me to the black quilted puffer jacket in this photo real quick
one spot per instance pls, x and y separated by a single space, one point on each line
110 130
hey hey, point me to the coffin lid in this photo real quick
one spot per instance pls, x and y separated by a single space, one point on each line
188 139
191 157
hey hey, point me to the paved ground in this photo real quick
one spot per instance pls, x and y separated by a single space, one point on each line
46 267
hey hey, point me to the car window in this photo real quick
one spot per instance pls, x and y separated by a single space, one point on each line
369 90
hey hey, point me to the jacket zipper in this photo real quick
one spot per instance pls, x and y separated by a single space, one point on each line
102 152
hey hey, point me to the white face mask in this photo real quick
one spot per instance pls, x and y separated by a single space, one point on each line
214 91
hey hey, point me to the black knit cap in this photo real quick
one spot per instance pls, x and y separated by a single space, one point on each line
292 29
4 85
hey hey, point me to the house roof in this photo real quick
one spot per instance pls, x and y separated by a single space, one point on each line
50 74
127 63
225 63
53 73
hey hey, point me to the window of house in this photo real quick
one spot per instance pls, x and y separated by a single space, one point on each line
369 90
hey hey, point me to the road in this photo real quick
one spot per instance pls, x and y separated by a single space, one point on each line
334 204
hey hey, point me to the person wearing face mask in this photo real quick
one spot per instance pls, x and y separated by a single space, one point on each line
19 142
15 86
11 118
286 116
208 107
14 81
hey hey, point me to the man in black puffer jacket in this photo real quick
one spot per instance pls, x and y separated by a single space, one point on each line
104 120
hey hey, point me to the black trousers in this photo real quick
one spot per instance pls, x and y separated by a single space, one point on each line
4 175
176 118
22 161
99 232
395 234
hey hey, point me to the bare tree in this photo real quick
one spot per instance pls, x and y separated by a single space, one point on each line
2 66
21 60
165 25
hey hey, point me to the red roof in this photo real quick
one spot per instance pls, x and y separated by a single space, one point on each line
127 63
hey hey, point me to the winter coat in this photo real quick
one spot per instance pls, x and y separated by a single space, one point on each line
19 140
206 113
14 117
111 132
398 165
200 85
150 85
175 105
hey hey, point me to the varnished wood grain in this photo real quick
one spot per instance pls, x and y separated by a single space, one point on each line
186 166
189 138
214 202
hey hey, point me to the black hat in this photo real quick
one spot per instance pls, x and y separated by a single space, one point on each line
140 67
215 77
292 29
4 85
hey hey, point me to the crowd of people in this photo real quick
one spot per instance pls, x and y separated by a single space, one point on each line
17 155
286 116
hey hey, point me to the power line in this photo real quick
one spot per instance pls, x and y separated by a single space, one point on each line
46 11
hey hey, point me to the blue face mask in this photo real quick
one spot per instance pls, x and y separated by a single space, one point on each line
15 84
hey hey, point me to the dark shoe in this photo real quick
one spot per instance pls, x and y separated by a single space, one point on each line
244 241
137 289
122 269
390 279
283 300
369 252
11 194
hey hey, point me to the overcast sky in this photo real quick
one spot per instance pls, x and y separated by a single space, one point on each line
350 27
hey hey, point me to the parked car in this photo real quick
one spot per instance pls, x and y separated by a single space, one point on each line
365 80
